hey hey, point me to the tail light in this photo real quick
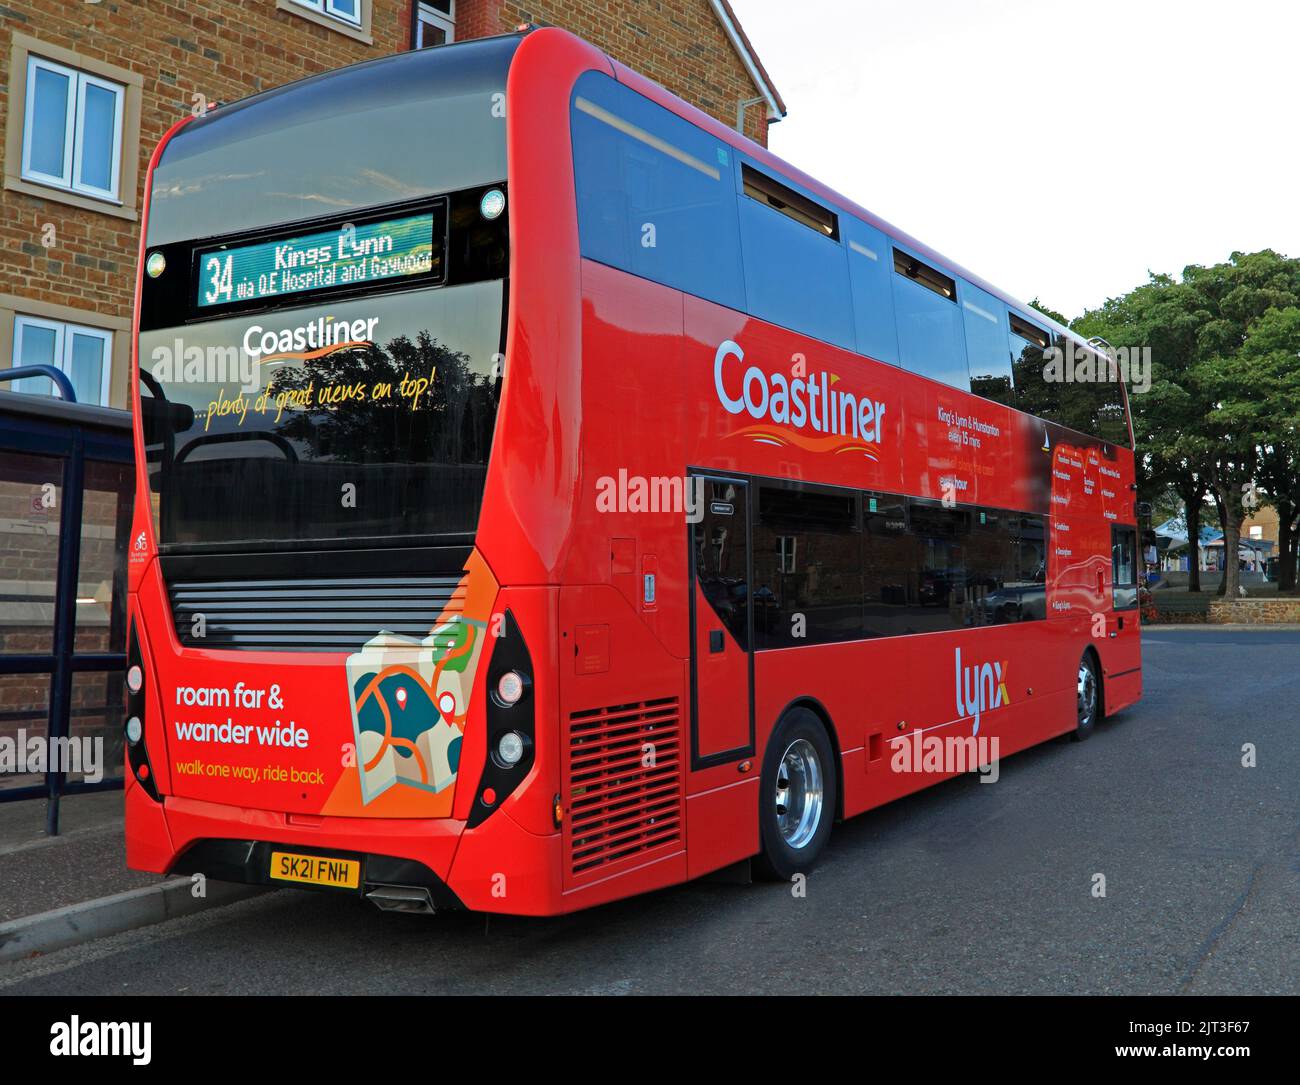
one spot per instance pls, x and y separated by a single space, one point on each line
137 757
510 721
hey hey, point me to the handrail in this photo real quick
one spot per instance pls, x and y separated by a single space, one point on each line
59 377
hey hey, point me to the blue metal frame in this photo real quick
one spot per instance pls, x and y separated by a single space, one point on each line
59 378
73 433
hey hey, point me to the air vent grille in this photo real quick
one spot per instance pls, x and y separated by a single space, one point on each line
624 784
326 614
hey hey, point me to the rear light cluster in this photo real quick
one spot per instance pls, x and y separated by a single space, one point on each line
137 757
510 721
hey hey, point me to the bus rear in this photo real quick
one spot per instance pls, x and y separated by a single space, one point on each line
321 333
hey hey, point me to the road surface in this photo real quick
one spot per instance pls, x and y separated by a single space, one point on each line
965 888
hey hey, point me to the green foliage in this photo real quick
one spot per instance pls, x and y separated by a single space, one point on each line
1221 413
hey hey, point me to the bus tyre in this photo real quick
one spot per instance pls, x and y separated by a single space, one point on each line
797 799
1089 698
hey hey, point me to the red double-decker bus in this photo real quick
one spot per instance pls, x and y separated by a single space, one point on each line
547 495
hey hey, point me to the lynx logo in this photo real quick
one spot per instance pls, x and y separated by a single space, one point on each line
980 688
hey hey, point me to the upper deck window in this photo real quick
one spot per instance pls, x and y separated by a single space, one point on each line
796 270
656 195
1072 385
277 158
930 336
794 205
986 345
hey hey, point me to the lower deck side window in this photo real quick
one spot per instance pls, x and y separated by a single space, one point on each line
832 565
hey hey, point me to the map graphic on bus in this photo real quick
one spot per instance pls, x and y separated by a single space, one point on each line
410 700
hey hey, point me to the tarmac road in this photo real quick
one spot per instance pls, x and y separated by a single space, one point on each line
964 888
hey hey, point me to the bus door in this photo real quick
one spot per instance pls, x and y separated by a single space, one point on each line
722 624
1123 627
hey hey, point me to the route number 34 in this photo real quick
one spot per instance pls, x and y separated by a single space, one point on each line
222 278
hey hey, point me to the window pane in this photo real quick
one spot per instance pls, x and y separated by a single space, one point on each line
37 345
431 34
656 195
26 701
31 492
101 575
873 302
98 138
1034 394
720 553
793 277
930 334
261 166
97 711
987 355
889 564
807 567
49 132
349 9
86 367
1124 566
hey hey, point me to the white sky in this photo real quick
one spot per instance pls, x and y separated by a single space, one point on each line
1058 149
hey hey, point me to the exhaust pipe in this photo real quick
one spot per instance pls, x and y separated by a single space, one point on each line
401 898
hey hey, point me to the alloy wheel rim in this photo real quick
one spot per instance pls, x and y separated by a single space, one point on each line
800 795
1087 694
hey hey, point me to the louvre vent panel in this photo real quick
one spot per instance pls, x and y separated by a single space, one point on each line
312 614
620 807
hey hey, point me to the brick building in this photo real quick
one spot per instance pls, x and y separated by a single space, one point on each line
87 88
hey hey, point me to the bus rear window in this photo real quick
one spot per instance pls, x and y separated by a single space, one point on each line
341 142
369 419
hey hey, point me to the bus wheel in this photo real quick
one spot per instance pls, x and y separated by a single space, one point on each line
796 802
1089 699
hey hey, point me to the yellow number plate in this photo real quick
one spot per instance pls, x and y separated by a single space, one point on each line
315 870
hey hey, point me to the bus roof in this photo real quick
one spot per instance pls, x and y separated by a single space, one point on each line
259 110
700 119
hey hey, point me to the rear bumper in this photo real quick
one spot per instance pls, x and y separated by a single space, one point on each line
249 862
495 867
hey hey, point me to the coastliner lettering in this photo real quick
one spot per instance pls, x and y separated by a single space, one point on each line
321 332
798 402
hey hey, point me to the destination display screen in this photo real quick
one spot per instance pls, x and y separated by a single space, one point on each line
351 254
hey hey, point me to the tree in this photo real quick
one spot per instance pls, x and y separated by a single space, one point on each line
1202 427
1266 399
1241 371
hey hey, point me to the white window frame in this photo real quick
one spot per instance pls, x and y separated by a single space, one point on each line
63 336
115 171
424 13
73 139
330 8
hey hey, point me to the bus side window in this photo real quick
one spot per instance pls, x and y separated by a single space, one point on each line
796 274
873 297
889 566
807 566
1124 567
930 337
986 344
1028 344
656 195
